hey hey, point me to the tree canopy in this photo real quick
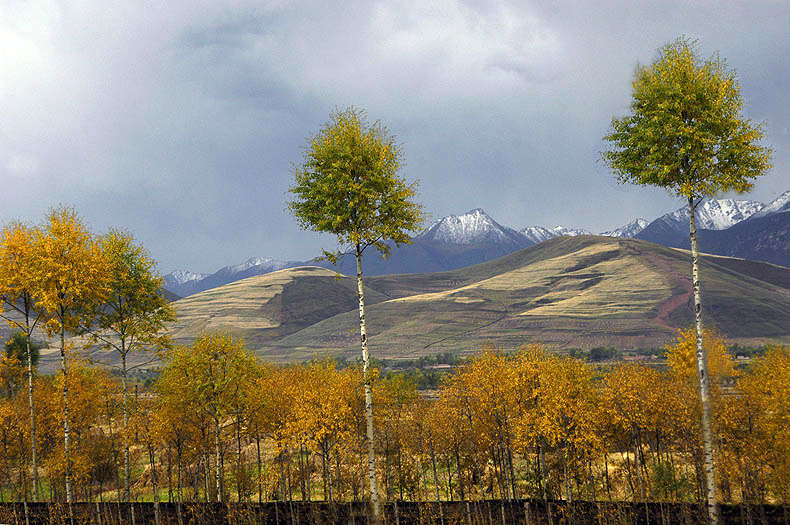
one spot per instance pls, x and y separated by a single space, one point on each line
348 185
135 311
686 133
69 273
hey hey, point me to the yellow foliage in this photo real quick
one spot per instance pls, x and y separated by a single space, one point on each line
682 356
12 374
69 273
766 389
16 247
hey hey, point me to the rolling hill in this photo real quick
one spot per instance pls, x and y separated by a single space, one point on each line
268 307
579 291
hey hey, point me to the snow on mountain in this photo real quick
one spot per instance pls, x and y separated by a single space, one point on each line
179 277
456 241
559 231
629 230
474 226
714 214
184 283
778 205
722 213
262 264
538 234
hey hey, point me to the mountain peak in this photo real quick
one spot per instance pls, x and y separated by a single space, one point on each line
252 262
183 276
714 214
537 234
629 230
472 227
779 204
560 230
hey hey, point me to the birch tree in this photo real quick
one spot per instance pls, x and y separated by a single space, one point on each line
134 314
686 134
68 278
766 387
348 185
16 295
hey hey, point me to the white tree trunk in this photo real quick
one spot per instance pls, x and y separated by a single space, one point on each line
155 486
126 461
704 383
66 428
33 451
374 495
218 465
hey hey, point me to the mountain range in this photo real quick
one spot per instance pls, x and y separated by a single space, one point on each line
738 228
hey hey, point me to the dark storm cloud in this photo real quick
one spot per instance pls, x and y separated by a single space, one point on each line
180 120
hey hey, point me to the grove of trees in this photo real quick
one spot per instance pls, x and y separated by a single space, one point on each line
220 426
62 279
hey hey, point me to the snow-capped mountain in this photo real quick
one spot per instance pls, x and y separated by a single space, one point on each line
778 205
451 242
255 266
629 230
716 214
713 214
186 283
559 231
474 226
538 234
456 241
179 277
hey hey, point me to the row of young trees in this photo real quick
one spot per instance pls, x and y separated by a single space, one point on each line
59 278
218 425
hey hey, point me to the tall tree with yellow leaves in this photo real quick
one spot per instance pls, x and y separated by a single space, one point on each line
172 419
134 314
488 385
212 373
323 416
397 397
16 294
68 279
682 361
766 387
686 134
271 403
348 185
629 396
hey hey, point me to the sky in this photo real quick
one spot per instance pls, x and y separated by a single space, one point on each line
181 121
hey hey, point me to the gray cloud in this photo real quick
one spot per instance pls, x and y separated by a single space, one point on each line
180 120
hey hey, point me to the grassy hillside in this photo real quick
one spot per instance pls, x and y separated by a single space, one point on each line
569 292
268 307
